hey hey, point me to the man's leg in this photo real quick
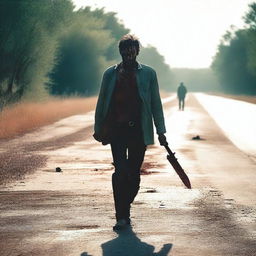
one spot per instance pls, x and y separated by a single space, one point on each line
179 104
119 177
136 153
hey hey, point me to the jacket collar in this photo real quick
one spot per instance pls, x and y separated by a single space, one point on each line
139 66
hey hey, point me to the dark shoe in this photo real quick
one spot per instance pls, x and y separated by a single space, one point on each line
121 224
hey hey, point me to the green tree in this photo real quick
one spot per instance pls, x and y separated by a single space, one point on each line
150 56
235 60
230 64
81 55
28 31
250 20
116 28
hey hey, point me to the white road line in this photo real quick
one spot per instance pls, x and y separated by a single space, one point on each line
236 118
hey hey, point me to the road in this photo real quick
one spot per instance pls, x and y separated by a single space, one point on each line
71 213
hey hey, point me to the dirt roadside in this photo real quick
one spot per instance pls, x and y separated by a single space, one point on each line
71 213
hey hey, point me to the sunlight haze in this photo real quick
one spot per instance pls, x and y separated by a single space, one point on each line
185 32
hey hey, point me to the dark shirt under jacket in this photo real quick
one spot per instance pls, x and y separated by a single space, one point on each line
126 102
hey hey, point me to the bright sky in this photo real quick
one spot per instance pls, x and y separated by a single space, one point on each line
185 32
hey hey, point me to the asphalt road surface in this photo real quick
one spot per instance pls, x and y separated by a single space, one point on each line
44 212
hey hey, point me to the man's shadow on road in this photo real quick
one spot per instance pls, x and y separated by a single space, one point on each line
128 244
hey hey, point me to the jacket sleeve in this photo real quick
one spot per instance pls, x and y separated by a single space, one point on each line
156 105
99 107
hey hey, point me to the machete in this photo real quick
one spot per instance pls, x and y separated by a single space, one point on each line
177 167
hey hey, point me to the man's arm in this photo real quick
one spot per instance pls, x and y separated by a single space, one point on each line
157 110
99 108
156 106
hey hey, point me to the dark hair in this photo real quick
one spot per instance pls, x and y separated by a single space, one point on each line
129 40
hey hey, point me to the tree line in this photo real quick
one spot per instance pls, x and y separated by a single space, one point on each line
196 80
49 48
235 60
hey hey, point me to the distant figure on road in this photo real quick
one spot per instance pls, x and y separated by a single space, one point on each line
128 99
181 92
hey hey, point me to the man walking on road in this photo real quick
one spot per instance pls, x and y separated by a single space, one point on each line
181 92
128 100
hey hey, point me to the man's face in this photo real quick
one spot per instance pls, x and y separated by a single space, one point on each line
129 54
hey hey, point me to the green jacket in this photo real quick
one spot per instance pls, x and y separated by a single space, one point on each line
149 94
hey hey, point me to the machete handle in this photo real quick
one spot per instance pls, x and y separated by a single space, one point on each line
168 150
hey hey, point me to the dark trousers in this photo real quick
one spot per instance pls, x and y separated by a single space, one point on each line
181 103
128 150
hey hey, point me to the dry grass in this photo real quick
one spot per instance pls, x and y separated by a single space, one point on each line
24 117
